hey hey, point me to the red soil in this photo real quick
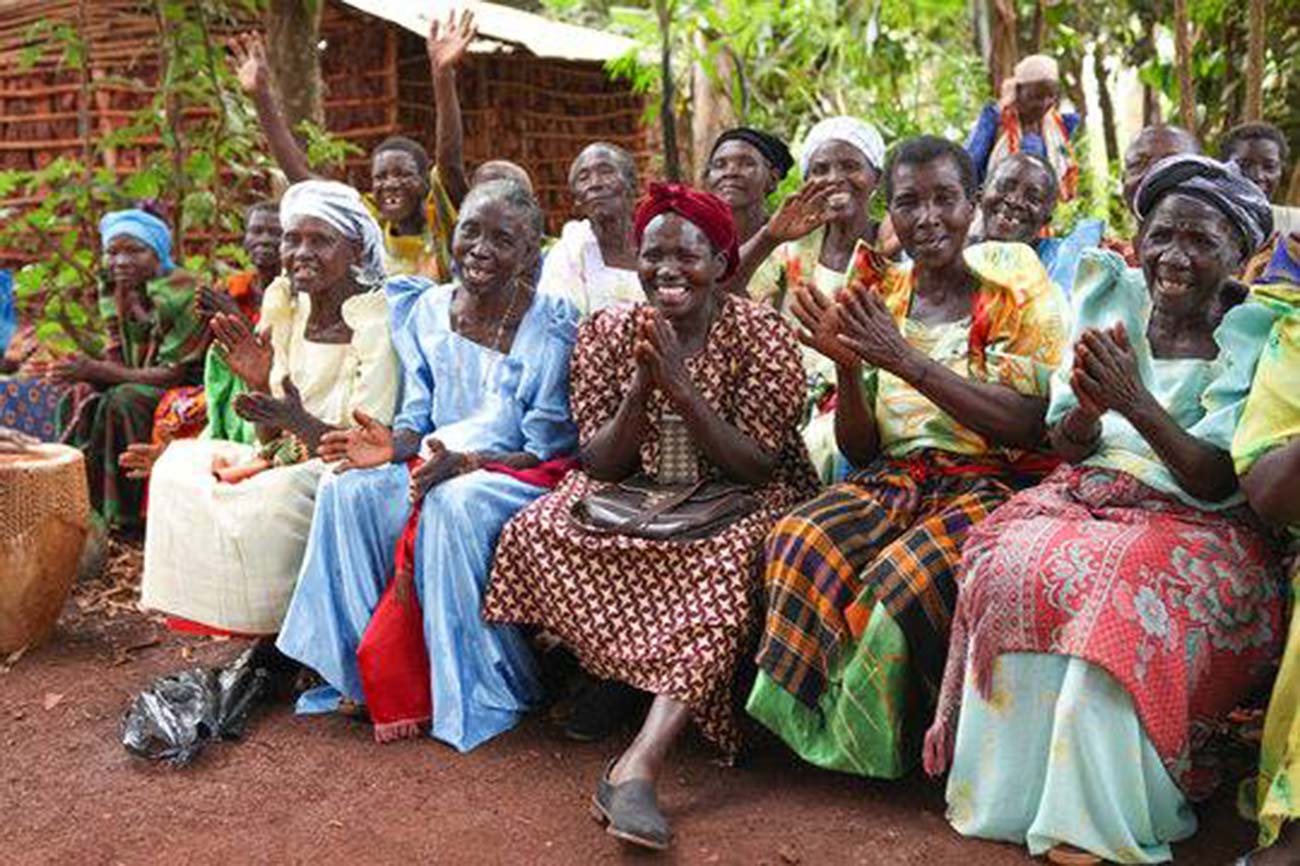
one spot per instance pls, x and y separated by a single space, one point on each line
318 790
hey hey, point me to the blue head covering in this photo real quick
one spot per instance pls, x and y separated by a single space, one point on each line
143 227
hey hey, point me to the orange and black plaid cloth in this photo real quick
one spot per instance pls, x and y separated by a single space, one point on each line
891 533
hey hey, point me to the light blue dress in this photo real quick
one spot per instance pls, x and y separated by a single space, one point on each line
471 398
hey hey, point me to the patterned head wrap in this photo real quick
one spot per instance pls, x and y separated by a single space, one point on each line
1216 183
708 212
341 206
862 135
773 149
143 227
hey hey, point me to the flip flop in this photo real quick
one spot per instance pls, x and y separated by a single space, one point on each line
630 812
1068 855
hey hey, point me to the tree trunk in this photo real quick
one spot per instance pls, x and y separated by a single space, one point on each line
292 34
667 107
1151 114
1183 64
1109 135
712 109
1255 64
1005 49
1040 26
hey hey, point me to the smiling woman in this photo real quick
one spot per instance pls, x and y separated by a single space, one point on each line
485 365
942 371
228 521
698 385
1130 601
592 265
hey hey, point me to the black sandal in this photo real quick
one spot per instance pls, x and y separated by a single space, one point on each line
631 812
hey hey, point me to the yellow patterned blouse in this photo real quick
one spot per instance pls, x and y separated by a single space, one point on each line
1015 336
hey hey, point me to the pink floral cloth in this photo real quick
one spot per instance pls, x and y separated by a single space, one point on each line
1180 605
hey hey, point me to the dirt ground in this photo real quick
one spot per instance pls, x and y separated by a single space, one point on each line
319 790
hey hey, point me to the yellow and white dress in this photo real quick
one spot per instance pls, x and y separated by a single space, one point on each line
227 555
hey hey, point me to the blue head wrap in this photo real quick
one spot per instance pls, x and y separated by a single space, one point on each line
143 227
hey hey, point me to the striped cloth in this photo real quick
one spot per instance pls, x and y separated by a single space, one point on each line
891 533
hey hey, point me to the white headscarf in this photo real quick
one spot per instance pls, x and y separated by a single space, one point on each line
341 207
1037 67
858 133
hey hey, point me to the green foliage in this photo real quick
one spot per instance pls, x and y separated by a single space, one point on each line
906 65
211 162
324 151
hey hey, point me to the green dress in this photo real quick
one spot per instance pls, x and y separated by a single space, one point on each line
102 421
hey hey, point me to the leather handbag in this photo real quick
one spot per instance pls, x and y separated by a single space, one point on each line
643 508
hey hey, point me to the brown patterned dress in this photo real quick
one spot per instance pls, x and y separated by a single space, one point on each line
667 617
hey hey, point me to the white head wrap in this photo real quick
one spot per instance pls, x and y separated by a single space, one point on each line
862 135
342 208
1037 67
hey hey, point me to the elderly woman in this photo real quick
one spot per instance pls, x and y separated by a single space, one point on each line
943 370
183 412
485 366
745 167
153 340
1019 197
593 264
413 199
1266 450
808 244
224 555
698 385
1028 120
1110 617
813 235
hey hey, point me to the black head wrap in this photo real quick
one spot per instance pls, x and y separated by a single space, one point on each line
1216 183
773 149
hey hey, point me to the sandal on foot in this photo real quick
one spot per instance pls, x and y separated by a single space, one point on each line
631 812
1068 855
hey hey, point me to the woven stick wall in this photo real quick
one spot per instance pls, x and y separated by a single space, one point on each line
535 111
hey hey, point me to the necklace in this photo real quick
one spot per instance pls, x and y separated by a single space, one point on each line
463 394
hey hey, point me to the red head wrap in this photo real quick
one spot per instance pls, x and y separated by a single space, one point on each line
709 213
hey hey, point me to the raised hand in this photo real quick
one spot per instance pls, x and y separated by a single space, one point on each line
1108 373
819 323
868 328
802 211
368 444
248 355
250 63
447 43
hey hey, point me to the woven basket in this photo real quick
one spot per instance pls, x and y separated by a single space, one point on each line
44 512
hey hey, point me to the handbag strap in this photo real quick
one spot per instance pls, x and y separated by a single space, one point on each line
668 503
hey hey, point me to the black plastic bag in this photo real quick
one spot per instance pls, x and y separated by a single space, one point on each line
179 714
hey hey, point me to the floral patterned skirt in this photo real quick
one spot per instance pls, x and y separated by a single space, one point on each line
1181 606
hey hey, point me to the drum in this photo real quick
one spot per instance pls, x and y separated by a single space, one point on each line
44 519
